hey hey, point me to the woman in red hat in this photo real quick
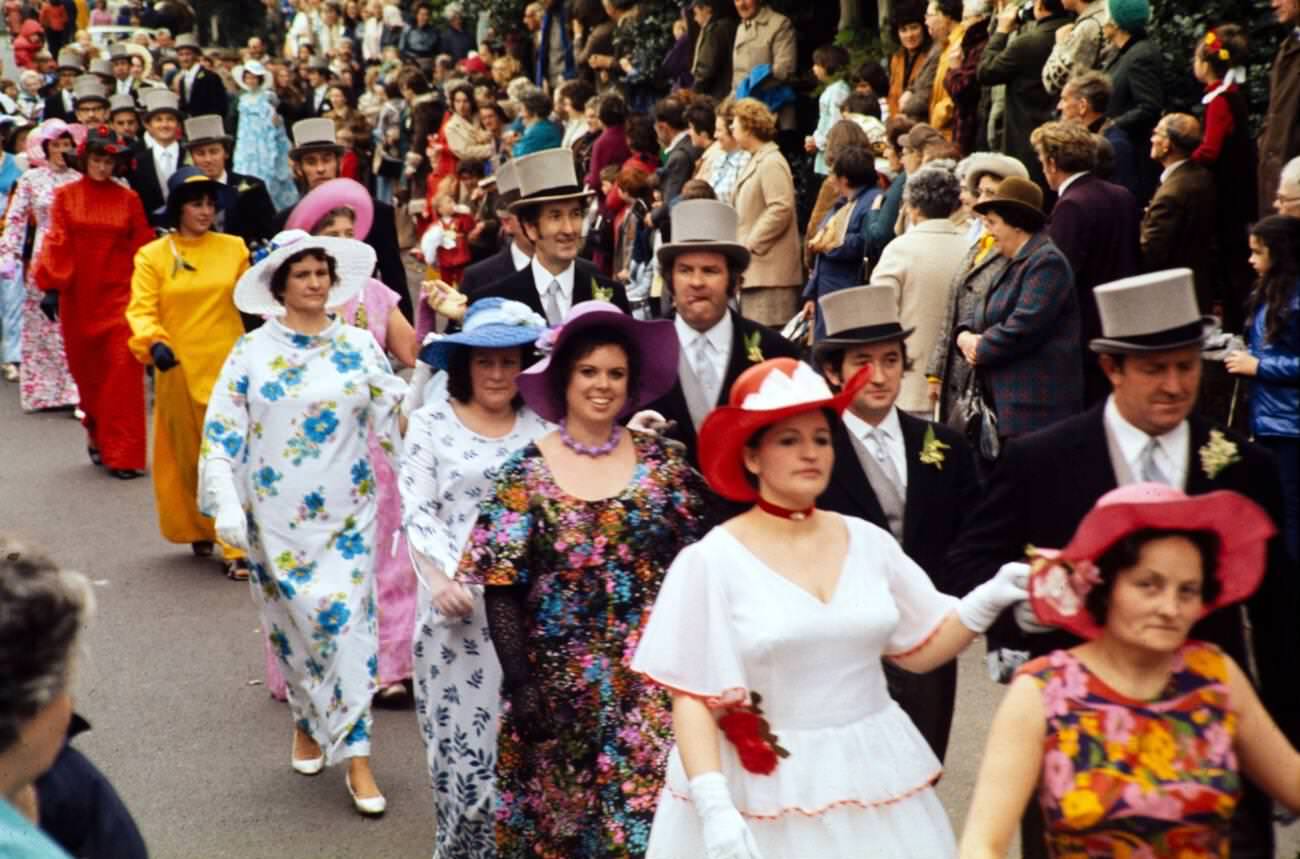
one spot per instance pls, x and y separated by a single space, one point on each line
769 634
1137 740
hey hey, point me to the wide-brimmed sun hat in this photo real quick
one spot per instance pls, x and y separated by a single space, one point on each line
328 196
1059 584
655 342
52 129
185 185
490 323
1151 312
354 261
250 67
764 394
704 225
1016 193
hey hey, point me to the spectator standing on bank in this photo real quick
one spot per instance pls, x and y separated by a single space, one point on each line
1136 72
947 24
970 100
420 41
1078 44
765 37
1178 228
711 67
837 244
914 42
1279 134
830 64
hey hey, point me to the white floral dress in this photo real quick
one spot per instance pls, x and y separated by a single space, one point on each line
291 413
446 470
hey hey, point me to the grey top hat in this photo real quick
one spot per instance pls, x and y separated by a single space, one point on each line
321 65
507 185
859 316
120 103
70 59
210 128
118 51
547 176
1149 313
187 40
704 225
103 68
160 100
87 88
314 135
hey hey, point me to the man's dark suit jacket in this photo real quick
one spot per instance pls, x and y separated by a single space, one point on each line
1044 484
672 405
250 216
675 173
485 273
207 95
143 179
54 108
937 504
1180 229
520 286
1095 224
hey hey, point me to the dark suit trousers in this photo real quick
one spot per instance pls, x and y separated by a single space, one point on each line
928 700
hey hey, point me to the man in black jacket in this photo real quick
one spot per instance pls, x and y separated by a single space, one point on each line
59 104
1046 481
675 136
516 253
249 215
201 91
914 478
158 153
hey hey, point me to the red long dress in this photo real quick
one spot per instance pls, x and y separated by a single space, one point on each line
95 230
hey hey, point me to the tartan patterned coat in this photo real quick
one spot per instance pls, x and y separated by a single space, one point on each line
1029 352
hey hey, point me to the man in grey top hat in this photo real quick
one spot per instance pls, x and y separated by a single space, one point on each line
209 149
119 59
911 477
158 153
59 104
123 116
90 105
1046 481
201 90
318 78
516 250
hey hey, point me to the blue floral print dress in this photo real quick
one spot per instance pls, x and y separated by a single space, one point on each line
291 413
262 148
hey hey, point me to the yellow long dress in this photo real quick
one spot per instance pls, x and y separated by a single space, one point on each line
182 294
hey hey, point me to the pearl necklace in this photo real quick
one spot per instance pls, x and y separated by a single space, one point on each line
587 450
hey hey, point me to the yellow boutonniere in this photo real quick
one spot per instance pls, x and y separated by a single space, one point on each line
752 351
932 449
243 186
601 293
1217 454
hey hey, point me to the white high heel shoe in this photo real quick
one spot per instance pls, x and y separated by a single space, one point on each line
370 806
306 766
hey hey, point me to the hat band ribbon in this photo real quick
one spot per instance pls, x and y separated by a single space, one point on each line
504 316
556 191
1181 334
869 332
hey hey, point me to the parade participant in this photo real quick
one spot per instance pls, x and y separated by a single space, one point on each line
90 100
183 323
263 150
841 765
702 268
119 58
913 478
454 449
299 393
159 154
551 208
250 209
44 380
201 91
572 548
516 253
1047 481
1135 741
59 104
11 283
122 115
315 157
96 226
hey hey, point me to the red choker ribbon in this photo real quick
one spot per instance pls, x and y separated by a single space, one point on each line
784 512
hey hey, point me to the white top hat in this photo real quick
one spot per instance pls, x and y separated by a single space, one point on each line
1149 313
547 176
354 263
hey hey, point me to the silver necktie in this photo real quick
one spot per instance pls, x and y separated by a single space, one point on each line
1151 471
551 300
704 369
881 453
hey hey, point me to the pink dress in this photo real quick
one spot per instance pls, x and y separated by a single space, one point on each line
395 582
45 381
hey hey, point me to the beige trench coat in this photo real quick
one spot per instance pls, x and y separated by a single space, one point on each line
764 201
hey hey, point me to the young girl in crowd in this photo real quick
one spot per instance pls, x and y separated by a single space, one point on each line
261 145
1273 338
444 246
829 64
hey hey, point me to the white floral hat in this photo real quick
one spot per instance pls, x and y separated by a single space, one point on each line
354 262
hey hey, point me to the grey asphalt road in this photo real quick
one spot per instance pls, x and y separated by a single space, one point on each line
172 670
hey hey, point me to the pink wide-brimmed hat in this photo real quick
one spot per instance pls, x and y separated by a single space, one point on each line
1059 583
331 195
655 341
52 129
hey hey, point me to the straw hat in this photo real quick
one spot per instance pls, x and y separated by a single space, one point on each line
545 177
354 261
157 100
146 58
251 67
331 195
1058 589
490 323
314 135
704 225
1016 193
860 316
209 128
1149 313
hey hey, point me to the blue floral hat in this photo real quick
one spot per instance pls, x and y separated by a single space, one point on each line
490 323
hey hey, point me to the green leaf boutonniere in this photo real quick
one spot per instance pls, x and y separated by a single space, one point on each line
1217 454
601 293
932 450
244 185
752 350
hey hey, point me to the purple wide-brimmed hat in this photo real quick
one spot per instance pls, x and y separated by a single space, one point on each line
331 195
656 343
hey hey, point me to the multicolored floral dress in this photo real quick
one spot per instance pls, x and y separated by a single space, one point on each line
592 570
291 412
1138 779
447 469
45 381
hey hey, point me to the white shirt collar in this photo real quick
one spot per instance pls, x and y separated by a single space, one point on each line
193 73
225 177
172 148
719 336
1070 181
1132 441
1169 171
543 279
518 257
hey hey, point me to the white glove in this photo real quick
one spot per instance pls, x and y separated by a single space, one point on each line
219 495
726 835
648 420
979 608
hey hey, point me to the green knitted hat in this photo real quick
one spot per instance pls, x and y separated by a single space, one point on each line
1129 15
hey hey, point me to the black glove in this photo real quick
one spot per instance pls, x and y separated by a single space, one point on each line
50 305
533 716
163 357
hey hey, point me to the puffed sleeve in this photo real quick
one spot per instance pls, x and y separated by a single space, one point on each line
922 608
688 644
499 547
55 267
142 313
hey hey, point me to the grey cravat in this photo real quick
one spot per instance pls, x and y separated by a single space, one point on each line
551 301
704 369
885 482
1151 471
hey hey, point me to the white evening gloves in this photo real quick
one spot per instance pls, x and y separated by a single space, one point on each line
726 835
219 491
979 608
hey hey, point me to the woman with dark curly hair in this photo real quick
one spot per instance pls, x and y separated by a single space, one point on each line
458 139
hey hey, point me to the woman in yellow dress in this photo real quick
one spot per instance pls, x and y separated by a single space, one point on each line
184 323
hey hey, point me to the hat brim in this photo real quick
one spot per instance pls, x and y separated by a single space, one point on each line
89 99
1037 215
221 192
438 353
174 111
1242 528
656 343
354 261
734 251
298 151
1179 339
524 202
862 337
725 431
204 141
331 195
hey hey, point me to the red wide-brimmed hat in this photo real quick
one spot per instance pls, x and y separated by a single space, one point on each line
763 395
1060 582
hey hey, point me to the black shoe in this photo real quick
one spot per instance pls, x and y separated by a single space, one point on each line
201 548
93 453
126 473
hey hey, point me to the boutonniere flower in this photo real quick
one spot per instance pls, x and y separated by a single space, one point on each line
601 293
932 450
244 185
752 350
749 732
1217 454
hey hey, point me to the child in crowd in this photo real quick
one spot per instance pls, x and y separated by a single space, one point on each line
445 245
829 65
261 145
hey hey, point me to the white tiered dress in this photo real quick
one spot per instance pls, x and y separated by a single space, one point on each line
859 777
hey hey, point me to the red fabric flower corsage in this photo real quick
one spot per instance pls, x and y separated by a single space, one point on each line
749 732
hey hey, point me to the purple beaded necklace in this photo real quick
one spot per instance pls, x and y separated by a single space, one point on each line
587 450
